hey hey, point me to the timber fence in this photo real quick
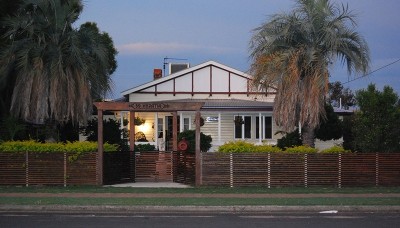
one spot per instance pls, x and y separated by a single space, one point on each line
32 168
283 169
233 170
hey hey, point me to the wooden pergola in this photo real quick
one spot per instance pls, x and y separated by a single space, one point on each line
133 107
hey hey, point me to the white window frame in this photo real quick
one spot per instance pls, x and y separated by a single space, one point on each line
188 124
243 127
263 127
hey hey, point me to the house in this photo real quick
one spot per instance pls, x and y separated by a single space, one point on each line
226 95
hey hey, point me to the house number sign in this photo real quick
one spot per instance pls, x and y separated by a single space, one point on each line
148 106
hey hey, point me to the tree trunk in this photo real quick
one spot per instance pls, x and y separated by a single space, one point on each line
308 136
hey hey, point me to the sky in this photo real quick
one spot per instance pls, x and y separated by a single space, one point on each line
146 32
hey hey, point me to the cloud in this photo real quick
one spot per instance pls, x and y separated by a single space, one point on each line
172 47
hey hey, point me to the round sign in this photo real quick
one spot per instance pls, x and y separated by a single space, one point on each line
183 145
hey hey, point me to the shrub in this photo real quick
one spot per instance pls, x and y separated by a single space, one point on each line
190 136
144 147
111 132
290 139
301 149
335 150
34 146
246 147
331 128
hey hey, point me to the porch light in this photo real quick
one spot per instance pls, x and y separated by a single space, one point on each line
145 127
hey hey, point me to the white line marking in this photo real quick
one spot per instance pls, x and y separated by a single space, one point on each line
328 212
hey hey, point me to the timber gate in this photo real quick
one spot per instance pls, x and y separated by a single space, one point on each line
148 166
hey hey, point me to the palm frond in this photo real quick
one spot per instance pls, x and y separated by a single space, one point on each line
292 52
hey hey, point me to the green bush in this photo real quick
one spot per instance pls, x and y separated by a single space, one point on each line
301 149
34 146
111 132
335 150
246 147
190 136
290 139
144 147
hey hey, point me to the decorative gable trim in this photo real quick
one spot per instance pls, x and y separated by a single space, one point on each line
153 86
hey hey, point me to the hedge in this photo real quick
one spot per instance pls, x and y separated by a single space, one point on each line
34 146
246 147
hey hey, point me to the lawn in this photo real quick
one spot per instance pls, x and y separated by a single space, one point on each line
200 201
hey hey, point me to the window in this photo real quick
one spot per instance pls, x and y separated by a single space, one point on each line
160 127
243 131
266 125
186 123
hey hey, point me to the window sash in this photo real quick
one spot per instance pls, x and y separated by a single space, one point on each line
243 131
266 127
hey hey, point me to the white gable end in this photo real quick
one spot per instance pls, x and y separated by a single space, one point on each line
201 80
184 83
210 80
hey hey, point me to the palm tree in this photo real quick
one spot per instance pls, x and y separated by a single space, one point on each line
55 66
292 53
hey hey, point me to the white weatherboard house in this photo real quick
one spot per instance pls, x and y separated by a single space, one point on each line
226 94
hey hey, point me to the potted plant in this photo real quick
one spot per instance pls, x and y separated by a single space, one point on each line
201 121
238 120
139 121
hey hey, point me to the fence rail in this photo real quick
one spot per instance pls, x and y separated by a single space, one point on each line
280 169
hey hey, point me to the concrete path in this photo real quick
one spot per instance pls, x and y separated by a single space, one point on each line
151 185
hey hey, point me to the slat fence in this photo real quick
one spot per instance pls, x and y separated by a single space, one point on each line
280 169
31 168
184 168
234 170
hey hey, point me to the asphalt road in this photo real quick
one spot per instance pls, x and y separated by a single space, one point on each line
194 220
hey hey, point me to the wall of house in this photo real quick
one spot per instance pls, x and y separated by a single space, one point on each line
228 127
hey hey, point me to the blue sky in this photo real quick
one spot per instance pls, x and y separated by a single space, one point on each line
145 32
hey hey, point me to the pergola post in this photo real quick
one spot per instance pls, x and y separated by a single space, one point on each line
131 130
175 131
197 151
100 147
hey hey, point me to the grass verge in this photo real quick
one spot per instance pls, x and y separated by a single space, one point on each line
201 201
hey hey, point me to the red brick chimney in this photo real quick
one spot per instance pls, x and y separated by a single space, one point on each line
157 73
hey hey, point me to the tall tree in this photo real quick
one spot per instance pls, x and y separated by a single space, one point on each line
340 96
55 65
91 27
6 84
291 54
376 124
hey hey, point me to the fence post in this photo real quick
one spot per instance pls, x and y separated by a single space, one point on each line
376 169
305 170
269 170
231 169
26 169
340 171
65 169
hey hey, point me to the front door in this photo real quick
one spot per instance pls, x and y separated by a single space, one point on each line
169 131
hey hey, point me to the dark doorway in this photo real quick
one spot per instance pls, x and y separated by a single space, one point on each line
169 132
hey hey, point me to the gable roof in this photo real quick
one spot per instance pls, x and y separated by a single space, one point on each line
185 72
